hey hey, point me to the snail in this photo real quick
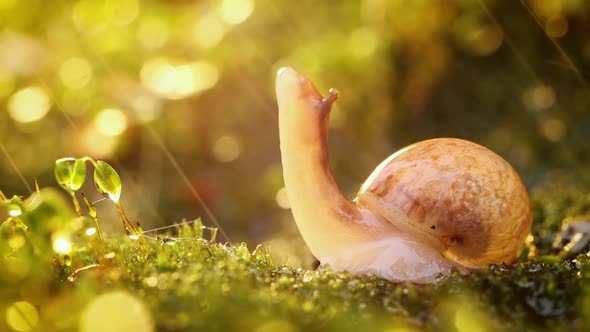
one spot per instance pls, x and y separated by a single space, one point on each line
430 207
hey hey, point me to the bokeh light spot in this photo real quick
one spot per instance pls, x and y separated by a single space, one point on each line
547 8
487 40
152 33
205 75
116 312
62 244
151 281
226 149
16 242
159 76
540 97
185 81
208 31
75 73
467 321
111 122
543 97
178 81
553 129
123 11
29 105
236 11
362 42
556 27
22 316
282 199
91 16
146 108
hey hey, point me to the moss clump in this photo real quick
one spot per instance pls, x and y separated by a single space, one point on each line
188 282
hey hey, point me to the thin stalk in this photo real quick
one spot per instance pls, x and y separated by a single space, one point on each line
76 204
126 223
92 161
98 230
129 228
37 188
92 213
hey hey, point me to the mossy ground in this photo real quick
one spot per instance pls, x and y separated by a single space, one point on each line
188 282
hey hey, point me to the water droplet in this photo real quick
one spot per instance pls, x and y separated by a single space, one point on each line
14 210
91 231
67 260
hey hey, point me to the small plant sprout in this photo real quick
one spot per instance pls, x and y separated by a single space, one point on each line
92 213
37 188
70 173
108 183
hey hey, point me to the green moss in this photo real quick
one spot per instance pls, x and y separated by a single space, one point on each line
191 283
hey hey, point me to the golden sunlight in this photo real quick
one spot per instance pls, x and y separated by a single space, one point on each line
236 11
208 31
22 316
226 149
75 73
123 312
178 81
62 245
29 105
111 122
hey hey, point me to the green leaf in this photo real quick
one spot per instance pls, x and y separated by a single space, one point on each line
79 174
107 181
70 173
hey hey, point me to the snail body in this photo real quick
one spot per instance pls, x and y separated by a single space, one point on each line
429 207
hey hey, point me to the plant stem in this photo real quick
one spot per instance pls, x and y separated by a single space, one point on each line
92 161
92 214
76 204
126 223
98 229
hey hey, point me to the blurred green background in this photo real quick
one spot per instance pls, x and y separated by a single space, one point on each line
178 95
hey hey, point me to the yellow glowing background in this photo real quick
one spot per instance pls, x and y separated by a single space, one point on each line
178 95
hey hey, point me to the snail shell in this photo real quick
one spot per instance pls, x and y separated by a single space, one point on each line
459 194
429 207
